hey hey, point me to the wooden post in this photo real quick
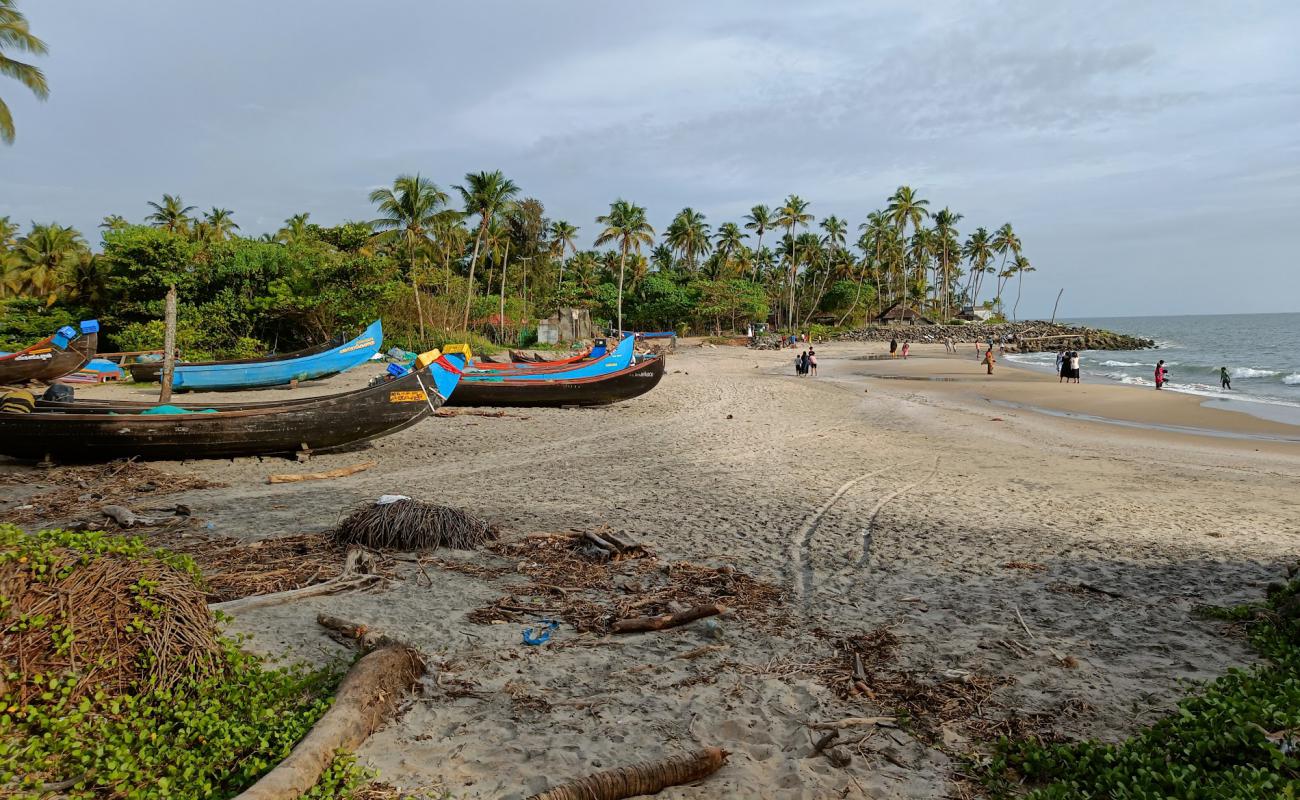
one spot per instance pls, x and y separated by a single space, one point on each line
1058 302
169 346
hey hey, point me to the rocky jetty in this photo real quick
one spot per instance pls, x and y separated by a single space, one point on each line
1017 337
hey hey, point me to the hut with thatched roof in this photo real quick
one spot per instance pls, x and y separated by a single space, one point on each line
901 314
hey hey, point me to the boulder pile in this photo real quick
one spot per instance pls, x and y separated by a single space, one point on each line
1016 337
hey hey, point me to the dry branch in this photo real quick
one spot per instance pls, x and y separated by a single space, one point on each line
640 624
341 472
358 572
365 698
650 777
853 722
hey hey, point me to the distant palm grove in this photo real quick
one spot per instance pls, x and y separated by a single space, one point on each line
481 257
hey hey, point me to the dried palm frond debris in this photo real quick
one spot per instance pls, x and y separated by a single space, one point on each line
650 777
407 524
77 492
100 613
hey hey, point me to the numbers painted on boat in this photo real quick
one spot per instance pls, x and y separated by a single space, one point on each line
407 397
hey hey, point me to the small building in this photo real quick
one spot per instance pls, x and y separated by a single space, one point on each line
566 325
973 314
901 314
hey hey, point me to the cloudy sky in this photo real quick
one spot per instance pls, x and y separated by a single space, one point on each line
1148 154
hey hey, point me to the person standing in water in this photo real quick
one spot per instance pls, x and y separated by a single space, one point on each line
893 347
1225 380
1160 374
907 348
1060 365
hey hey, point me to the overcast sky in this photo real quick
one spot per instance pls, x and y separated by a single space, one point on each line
1148 154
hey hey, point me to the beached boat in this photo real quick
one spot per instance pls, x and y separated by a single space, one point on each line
151 371
52 357
621 357
563 388
250 373
100 431
518 361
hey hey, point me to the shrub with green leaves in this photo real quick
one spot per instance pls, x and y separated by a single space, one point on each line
1237 737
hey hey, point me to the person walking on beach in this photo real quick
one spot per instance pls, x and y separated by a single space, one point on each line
893 347
1060 365
907 348
812 362
1074 366
1225 380
798 364
1160 374
988 360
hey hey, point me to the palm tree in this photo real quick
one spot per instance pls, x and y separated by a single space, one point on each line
758 220
114 222
484 193
44 255
409 211
789 216
728 242
1021 266
626 224
562 238
661 257
978 252
945 222
89 280
294 229
906 208
220 224
172 215
15 36
1005 241
688 234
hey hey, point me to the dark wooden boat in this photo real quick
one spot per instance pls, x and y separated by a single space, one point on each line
53 357
151 371
100 431
631 381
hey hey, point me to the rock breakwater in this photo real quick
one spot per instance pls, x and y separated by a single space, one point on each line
1016 337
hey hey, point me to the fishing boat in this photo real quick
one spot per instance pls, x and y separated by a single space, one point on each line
100 431
252 373
53 357
562 388
522 359
622 356
151 371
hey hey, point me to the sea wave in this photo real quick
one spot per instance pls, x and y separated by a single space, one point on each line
1292 380
1122 364
1252 372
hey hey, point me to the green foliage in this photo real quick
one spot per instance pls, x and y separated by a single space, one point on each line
202 738
25 320
1237 737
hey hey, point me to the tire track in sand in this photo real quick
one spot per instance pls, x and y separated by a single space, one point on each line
801 542
865 560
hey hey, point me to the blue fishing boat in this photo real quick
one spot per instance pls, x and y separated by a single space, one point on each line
621 358
272 371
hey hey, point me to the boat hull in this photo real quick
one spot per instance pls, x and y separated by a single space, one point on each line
46 362
632 381
151 371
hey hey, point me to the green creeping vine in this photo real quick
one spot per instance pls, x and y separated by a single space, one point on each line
205 737
1237 737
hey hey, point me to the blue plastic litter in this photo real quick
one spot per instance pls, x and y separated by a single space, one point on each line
396 370
543 635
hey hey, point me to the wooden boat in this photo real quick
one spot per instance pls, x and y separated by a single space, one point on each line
151 371
518 362
276 370
621 357
100 431
52 357
561 389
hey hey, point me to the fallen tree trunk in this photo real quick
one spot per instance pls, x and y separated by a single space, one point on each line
639 624
364 699
341 472
361 635
649 777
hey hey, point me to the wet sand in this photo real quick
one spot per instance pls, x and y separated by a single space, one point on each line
980 533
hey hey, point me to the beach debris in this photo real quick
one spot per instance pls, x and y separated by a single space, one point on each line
648 777
359 571
854 722
825 746
362 636
341 472
1026 565
120 514
663 621
1081 589
87 601
543 634
365 699
1022 622
80 492
406 524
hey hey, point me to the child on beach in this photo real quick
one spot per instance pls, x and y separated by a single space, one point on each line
907 348
1225 380
812 362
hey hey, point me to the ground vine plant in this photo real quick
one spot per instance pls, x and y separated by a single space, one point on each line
207 734
1236 737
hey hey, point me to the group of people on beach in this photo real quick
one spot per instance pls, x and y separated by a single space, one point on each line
806 363
1067 366
895 352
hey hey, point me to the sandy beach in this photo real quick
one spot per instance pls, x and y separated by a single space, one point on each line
1030 566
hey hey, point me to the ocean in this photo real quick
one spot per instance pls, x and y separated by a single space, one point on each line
1261 352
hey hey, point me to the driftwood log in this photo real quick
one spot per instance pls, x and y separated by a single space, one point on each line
648 777
341 472
357 573
640 624
364 700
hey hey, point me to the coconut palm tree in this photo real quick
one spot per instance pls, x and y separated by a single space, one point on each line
1005 242
114 222
728 242
789 216
484 193
409 210
625 224
978 252
688 234
945 222
44 256
8 234
294 229
904 209
562 238
220 224
758 220
1021 266
89 280
16 37
172 215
